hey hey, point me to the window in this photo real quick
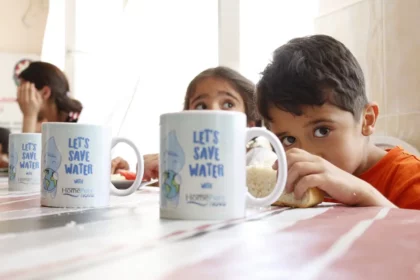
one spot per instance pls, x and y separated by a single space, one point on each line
267 24
131 71
164 45
53 46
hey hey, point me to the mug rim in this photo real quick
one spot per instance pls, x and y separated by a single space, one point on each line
25 133
50 124
203 112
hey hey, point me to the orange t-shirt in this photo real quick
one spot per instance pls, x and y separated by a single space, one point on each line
397 177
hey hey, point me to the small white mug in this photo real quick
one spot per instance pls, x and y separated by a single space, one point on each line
76 165
203 168
24 161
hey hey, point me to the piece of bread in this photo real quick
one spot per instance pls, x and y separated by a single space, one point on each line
312 197
262 179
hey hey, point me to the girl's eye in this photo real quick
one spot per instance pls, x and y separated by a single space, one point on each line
200 106
227 105
321 132
288 141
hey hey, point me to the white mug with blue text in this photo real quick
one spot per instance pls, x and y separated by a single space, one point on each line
203 165
24 161
76 165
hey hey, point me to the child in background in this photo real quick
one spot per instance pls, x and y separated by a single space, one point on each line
219 88
44 96
4 147
312 96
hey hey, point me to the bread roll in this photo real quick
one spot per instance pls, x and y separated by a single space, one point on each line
262 179
312 197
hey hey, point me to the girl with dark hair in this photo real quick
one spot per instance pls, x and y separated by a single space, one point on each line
44 95
219 88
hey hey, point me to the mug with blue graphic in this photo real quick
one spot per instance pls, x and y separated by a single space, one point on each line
24 161
202 172
76 165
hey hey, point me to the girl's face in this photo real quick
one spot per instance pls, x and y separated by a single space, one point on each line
216 94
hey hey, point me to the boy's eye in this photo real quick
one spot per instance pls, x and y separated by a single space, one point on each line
227 105
200 106
288 141
321 132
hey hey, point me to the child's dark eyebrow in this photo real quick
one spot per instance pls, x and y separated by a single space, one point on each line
228 94
318 121
200 96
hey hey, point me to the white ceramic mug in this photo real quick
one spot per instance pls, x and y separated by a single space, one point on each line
202 165
76 165
24 161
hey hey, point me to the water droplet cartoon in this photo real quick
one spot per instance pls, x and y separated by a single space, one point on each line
52 161
13 160
173 161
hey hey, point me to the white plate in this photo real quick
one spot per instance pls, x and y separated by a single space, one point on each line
122 184
125 184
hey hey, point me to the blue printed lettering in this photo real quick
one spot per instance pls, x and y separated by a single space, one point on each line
79 158
206 170
79 169
207 154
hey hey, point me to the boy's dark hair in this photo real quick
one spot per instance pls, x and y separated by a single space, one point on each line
312 71
46 74
242 85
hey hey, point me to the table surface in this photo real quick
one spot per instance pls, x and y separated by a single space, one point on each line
128 240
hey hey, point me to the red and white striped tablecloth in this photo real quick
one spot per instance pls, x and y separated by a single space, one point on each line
127 240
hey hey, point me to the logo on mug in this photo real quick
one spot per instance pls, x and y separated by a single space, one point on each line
78 192
52 161
206 200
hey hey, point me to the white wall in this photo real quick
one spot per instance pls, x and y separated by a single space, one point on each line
10 115
22 24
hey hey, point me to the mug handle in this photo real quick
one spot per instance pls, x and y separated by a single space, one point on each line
282 168
140 168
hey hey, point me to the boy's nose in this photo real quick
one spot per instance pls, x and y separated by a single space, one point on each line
312 149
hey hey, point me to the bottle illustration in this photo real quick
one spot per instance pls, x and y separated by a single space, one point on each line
52 161
173 159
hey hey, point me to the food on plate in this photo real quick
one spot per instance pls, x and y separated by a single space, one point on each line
261 180
117 177
124 175
127 174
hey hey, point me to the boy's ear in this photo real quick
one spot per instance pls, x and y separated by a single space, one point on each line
369 117
45 92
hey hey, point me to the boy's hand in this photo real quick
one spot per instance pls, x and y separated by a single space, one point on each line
151 167
119 164
306 171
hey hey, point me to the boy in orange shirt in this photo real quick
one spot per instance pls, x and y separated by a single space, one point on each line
312 96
